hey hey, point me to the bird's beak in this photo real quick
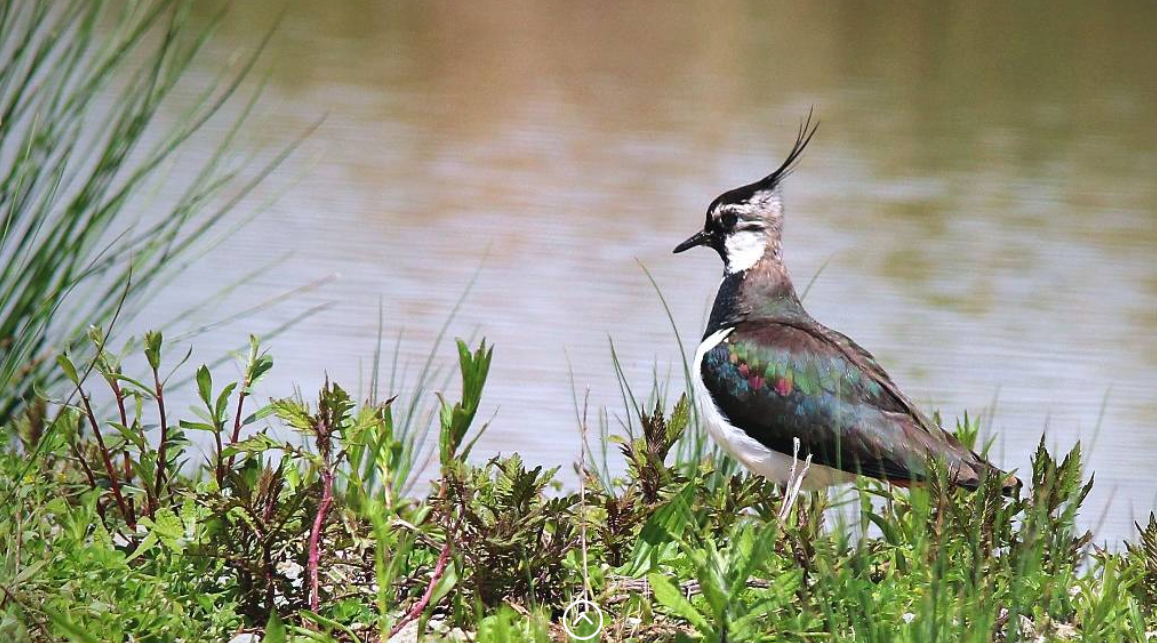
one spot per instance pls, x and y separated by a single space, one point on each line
699 238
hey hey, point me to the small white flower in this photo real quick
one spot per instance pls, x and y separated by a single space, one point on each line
908 617
247 637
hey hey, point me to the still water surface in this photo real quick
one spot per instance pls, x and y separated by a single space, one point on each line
982 192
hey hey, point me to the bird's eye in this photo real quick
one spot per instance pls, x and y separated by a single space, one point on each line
728 219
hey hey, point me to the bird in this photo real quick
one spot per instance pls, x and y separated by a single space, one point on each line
771 382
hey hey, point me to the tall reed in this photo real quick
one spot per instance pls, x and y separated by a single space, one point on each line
83 154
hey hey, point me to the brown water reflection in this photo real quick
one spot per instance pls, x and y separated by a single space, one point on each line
982 190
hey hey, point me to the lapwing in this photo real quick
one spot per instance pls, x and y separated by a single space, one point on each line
767 374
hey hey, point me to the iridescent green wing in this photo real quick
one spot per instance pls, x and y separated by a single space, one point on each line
778 382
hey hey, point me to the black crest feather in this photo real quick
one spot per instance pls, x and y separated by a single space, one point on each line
743 194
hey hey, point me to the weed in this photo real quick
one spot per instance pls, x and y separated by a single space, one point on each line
314 539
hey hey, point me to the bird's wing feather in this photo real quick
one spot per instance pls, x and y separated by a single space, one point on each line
867 363
780 381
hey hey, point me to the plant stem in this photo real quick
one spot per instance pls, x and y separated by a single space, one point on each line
126 511
219 458
120 399
420 606
237 420
83 465
220 461
118 392
161 463
315 535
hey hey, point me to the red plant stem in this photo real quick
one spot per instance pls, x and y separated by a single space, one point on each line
237 420
108 465
220 461
161 463
420 606
267 546
315 536
120 398
84 465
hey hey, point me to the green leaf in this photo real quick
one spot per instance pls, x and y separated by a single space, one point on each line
205 385
68 367
153 341
258 363
671 597
274 629
96 336
28 572
887 528
168 527
259 443
329 624
150 541
131 435
756 614
71 630
456 419
259 414
749 551
661 531
708 565
222 404
446 583
138 386
196 426
680 416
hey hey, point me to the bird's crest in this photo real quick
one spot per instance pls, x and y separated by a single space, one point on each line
765 189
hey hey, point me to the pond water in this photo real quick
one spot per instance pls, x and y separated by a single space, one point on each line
981 198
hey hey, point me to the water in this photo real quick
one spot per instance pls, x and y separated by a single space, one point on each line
981 192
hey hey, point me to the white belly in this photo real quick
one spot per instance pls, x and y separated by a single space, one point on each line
773 465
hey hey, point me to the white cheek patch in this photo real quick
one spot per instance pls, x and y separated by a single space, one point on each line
744 249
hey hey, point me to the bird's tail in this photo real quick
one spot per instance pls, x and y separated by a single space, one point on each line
1009 483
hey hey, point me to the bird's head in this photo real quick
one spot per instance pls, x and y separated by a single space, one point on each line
745 223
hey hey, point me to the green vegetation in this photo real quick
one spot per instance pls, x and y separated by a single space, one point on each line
300 522
74 166
115 530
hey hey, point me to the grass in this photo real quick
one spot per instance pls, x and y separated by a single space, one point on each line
116 531
76 167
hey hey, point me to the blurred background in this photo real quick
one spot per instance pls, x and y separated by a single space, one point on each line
980 204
